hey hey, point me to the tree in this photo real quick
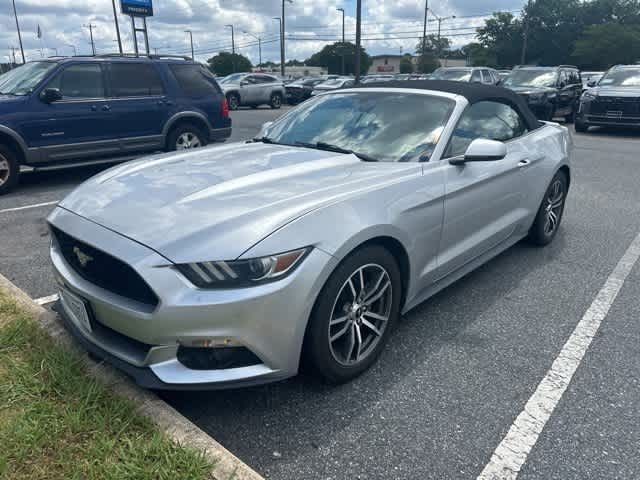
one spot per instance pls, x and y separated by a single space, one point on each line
501 37
478 55
294 63
601 46
429 50
406 64
330 57
226 63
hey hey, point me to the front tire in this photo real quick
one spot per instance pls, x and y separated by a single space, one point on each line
186 137
233 100
354 314
547 222
9 169
275 101
581 126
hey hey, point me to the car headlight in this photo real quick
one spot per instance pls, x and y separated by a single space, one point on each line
242 273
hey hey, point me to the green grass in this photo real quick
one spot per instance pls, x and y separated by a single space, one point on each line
58 423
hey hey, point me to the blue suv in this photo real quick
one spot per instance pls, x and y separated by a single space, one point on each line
84 110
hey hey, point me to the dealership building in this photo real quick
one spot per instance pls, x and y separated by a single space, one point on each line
390 64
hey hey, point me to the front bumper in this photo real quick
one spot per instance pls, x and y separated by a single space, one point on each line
268 320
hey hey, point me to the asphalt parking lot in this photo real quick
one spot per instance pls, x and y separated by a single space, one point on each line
459 369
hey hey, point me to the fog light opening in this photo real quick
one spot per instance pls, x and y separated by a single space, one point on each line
218 357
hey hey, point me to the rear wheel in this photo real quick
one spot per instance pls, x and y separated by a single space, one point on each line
581 126
9 169
275 101
549 215
233 101
186 137
353 316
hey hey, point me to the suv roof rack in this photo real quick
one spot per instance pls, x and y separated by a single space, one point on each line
133 55
567 66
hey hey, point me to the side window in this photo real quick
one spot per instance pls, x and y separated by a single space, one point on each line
83 80
250 79
135 80
476 77
194 80
564 78
490 120
575 78
486 77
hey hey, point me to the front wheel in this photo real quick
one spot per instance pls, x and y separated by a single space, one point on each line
581 126
353 316
276 101
549 215
9 169
233 101
186 137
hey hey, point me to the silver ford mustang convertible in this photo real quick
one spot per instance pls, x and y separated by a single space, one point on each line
228 266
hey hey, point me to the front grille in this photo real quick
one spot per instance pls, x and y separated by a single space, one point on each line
103 270
623 105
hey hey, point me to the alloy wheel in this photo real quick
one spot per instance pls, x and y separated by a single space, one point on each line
4 170
188 141
360 314
276 101
553 207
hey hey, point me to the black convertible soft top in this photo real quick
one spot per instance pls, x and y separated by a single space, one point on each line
473 92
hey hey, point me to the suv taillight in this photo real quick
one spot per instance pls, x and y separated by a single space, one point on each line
225 108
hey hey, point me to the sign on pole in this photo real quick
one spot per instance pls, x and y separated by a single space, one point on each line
137 8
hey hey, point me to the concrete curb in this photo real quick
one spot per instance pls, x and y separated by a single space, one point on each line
176 426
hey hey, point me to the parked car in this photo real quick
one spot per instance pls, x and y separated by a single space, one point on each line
590 79
376 78
614 101
238 269
300 90
70 111
485 75
253 90
335 84
503 74
550 91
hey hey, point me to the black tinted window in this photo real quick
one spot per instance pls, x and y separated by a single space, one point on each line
80 81
135 80
490 120
475 76
194 80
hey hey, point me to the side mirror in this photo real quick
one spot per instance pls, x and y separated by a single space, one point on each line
482 150
50 95
591 83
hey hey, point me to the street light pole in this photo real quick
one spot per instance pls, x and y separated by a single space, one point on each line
440 20
191 39
233 48
75 52
259 45
358 38
424 31
281 45
343 43
15 14
93 45
282 48
115 19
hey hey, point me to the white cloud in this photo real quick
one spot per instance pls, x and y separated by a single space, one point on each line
389 25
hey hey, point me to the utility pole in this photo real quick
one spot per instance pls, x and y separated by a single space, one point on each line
358 38
13 54
525 34
15 14
440 20
93 45
55 51
115 19
281 44
282 48
259 45
233 48
343 43
191 39
73 47
424 32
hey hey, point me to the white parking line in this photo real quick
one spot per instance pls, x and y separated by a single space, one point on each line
47 300
27 207
511 454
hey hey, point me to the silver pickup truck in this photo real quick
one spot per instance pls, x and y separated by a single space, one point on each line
253 89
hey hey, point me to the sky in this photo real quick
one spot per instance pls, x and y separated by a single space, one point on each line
389 26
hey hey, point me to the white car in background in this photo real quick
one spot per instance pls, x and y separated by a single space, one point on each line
333 84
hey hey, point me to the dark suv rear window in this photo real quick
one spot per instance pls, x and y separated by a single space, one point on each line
194 80
135 80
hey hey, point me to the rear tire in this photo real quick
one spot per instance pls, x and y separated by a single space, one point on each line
9 169
186 137
275 101
547 222
347 332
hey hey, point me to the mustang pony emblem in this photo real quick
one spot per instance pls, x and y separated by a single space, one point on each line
83 258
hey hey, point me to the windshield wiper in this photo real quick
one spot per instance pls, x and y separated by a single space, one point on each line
264 140
335 148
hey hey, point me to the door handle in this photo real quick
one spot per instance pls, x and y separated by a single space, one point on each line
106 108
524 162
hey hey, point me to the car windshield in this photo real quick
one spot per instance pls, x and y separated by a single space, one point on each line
23 79
456 75
387 127
621 78
532 78
233 78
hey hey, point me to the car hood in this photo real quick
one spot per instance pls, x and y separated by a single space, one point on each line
215 203
531 90
604 91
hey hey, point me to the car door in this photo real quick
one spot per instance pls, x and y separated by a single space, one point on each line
484 201
565 94
139 103
249 90
80 124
